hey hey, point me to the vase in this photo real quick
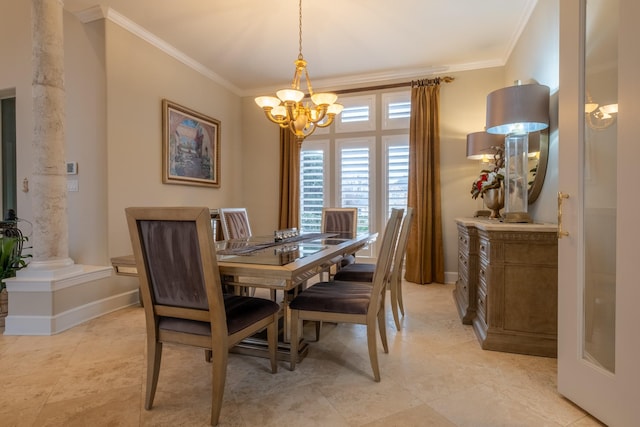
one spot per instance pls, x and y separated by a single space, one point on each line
494 200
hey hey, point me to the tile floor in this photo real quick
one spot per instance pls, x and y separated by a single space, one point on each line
434 375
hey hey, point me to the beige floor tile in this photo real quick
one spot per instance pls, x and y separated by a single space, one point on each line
435 374
419 416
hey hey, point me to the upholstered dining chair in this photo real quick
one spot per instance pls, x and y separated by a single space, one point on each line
344 223
363 272
182 293
235 223
350 302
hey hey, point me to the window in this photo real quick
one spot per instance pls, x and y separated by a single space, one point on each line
361 161
355 160
397 173
312 178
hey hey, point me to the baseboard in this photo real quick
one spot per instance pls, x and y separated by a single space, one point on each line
450 277
50 325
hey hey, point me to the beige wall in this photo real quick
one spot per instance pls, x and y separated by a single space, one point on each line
138 78
261 164
86 140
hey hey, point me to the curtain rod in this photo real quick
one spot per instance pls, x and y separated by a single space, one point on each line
446 79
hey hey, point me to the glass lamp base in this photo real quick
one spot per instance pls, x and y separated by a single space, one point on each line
516 217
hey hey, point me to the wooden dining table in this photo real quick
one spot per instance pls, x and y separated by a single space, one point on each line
261 262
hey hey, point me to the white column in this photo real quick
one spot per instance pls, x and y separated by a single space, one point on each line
48 179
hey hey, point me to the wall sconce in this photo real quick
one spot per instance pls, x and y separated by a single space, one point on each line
516 111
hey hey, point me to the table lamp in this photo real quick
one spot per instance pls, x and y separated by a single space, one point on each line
516 111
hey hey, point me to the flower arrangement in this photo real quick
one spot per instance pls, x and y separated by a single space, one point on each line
487 180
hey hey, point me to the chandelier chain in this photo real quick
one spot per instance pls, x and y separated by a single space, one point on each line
300 29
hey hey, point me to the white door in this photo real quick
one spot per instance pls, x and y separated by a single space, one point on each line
599 261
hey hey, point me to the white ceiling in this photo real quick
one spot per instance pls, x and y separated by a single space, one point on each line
249 45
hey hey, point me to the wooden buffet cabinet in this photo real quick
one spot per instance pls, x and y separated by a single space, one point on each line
507 284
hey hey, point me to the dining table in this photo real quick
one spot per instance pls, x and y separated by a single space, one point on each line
281 265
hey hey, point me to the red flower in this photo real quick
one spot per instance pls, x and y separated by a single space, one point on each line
483 177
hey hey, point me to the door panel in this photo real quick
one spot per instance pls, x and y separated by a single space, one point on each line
598 348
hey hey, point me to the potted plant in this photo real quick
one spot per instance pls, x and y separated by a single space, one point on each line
11 260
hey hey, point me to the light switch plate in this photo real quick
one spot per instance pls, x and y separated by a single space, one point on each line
72 185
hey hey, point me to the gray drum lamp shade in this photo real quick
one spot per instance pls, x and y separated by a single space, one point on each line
518 109
480 144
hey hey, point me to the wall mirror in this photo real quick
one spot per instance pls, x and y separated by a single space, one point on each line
537 162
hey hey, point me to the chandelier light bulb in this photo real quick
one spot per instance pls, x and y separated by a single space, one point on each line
324 98
335 109
279 112
290 95
267 101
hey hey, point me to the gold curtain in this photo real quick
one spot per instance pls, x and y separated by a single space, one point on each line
425 255
289 180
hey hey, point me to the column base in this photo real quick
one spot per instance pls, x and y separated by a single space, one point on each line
46 302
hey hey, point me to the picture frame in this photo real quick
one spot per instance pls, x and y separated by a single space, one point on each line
190 147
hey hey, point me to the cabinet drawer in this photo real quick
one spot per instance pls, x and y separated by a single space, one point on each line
481 305
463 242
483 276
484 249
462 288
463 264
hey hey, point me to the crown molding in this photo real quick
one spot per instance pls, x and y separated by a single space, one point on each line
101 12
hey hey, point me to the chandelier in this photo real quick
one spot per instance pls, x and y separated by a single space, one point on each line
287 109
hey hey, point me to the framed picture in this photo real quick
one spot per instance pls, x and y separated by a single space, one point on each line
190 147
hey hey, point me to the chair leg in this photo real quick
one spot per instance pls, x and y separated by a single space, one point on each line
399 293
294 339
218 379
394 305
154 356
373 352
207 355
272 339
318 328
382 325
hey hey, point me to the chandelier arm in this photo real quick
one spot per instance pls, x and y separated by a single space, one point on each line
322 111
328 122
267 112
